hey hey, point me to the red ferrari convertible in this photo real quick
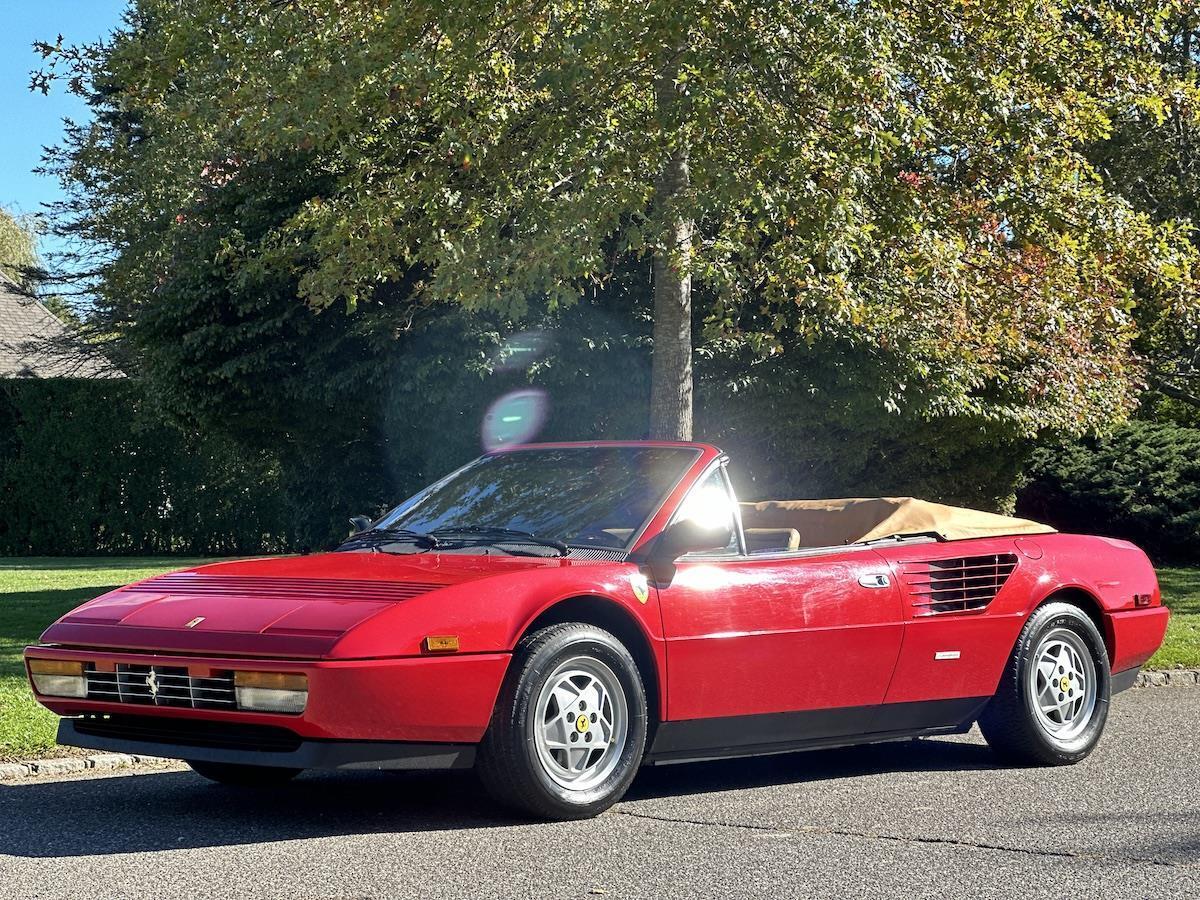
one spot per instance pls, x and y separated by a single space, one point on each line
559 615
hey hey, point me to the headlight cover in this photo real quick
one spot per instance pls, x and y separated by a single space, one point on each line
58 678
277 692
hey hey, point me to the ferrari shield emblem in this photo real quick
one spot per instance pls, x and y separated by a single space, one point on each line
641 587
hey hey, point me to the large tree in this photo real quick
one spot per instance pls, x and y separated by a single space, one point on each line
906 178
1152 157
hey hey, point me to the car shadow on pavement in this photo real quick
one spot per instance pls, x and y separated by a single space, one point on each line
179 810
814 765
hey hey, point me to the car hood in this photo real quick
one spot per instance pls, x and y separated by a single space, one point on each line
289 606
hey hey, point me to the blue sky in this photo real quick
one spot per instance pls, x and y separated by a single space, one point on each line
32 120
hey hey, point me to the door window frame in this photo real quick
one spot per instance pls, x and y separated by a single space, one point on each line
719 464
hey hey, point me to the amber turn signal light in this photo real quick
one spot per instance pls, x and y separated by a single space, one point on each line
441 643
276 681
55 667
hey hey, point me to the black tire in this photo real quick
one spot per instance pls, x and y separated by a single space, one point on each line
508 763
237 775
1013 727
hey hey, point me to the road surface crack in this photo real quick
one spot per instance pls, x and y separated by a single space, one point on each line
907 839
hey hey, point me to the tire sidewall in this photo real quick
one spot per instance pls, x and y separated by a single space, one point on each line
602 646
1062 615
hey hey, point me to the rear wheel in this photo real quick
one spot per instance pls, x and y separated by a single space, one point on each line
237 775
1052 702
569 729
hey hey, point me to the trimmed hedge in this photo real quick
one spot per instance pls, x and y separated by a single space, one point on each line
90 467
1142 483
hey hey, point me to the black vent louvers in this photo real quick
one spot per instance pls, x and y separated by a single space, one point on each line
960 585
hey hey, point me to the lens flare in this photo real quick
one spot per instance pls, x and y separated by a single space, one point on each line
520 351
515 418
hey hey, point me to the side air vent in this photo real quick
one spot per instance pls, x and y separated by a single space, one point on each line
189 584
965 584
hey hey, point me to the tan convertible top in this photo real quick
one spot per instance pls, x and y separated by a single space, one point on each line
828 523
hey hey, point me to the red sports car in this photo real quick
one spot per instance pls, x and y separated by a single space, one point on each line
558 615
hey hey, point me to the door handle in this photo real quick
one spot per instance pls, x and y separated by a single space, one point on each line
875 581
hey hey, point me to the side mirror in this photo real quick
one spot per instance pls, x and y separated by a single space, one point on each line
359 524
685 536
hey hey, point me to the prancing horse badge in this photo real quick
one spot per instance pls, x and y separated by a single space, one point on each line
641 587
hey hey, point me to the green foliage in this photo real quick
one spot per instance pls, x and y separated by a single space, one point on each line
906 180
815 426
1152 157
1142 483
18 249
88 466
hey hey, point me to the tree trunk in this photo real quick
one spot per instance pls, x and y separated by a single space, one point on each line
671 366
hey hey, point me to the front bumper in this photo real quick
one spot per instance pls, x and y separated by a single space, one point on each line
406 700
306 754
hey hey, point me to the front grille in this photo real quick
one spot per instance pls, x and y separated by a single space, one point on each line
191 584
965 584
160 686
190 732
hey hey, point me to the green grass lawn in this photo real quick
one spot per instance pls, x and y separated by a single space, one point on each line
1181 592
34 592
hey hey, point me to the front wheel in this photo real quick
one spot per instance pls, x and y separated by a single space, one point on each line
237 775
569 729
1052 702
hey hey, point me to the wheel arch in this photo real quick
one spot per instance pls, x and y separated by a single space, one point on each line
622 624
1090 604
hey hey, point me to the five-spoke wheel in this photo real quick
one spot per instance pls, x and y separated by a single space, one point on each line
583 723
1052 701
569 728
1062 683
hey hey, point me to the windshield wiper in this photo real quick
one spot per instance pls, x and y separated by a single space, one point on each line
420 538
487 533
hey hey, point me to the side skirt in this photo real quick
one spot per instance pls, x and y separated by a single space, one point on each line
693 740
1123 681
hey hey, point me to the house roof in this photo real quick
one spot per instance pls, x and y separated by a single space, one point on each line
35 344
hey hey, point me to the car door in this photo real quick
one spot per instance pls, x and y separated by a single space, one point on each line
770 635
965 603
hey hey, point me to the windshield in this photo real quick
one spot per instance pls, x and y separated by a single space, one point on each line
583 496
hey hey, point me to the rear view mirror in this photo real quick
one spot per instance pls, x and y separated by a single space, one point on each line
683 537
359 524
689 536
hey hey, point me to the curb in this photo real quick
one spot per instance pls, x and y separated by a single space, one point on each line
1168 678
73 765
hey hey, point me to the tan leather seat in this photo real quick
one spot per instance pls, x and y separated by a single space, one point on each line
759 540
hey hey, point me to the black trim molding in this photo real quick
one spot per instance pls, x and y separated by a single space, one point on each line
306 754
695 739
1123 681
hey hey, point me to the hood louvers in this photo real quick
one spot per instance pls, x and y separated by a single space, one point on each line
196 585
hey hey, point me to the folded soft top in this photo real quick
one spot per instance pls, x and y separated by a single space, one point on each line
828 523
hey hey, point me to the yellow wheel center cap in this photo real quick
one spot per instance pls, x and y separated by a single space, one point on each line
582 724
1065 683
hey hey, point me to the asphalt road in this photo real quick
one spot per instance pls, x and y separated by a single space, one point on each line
934 818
